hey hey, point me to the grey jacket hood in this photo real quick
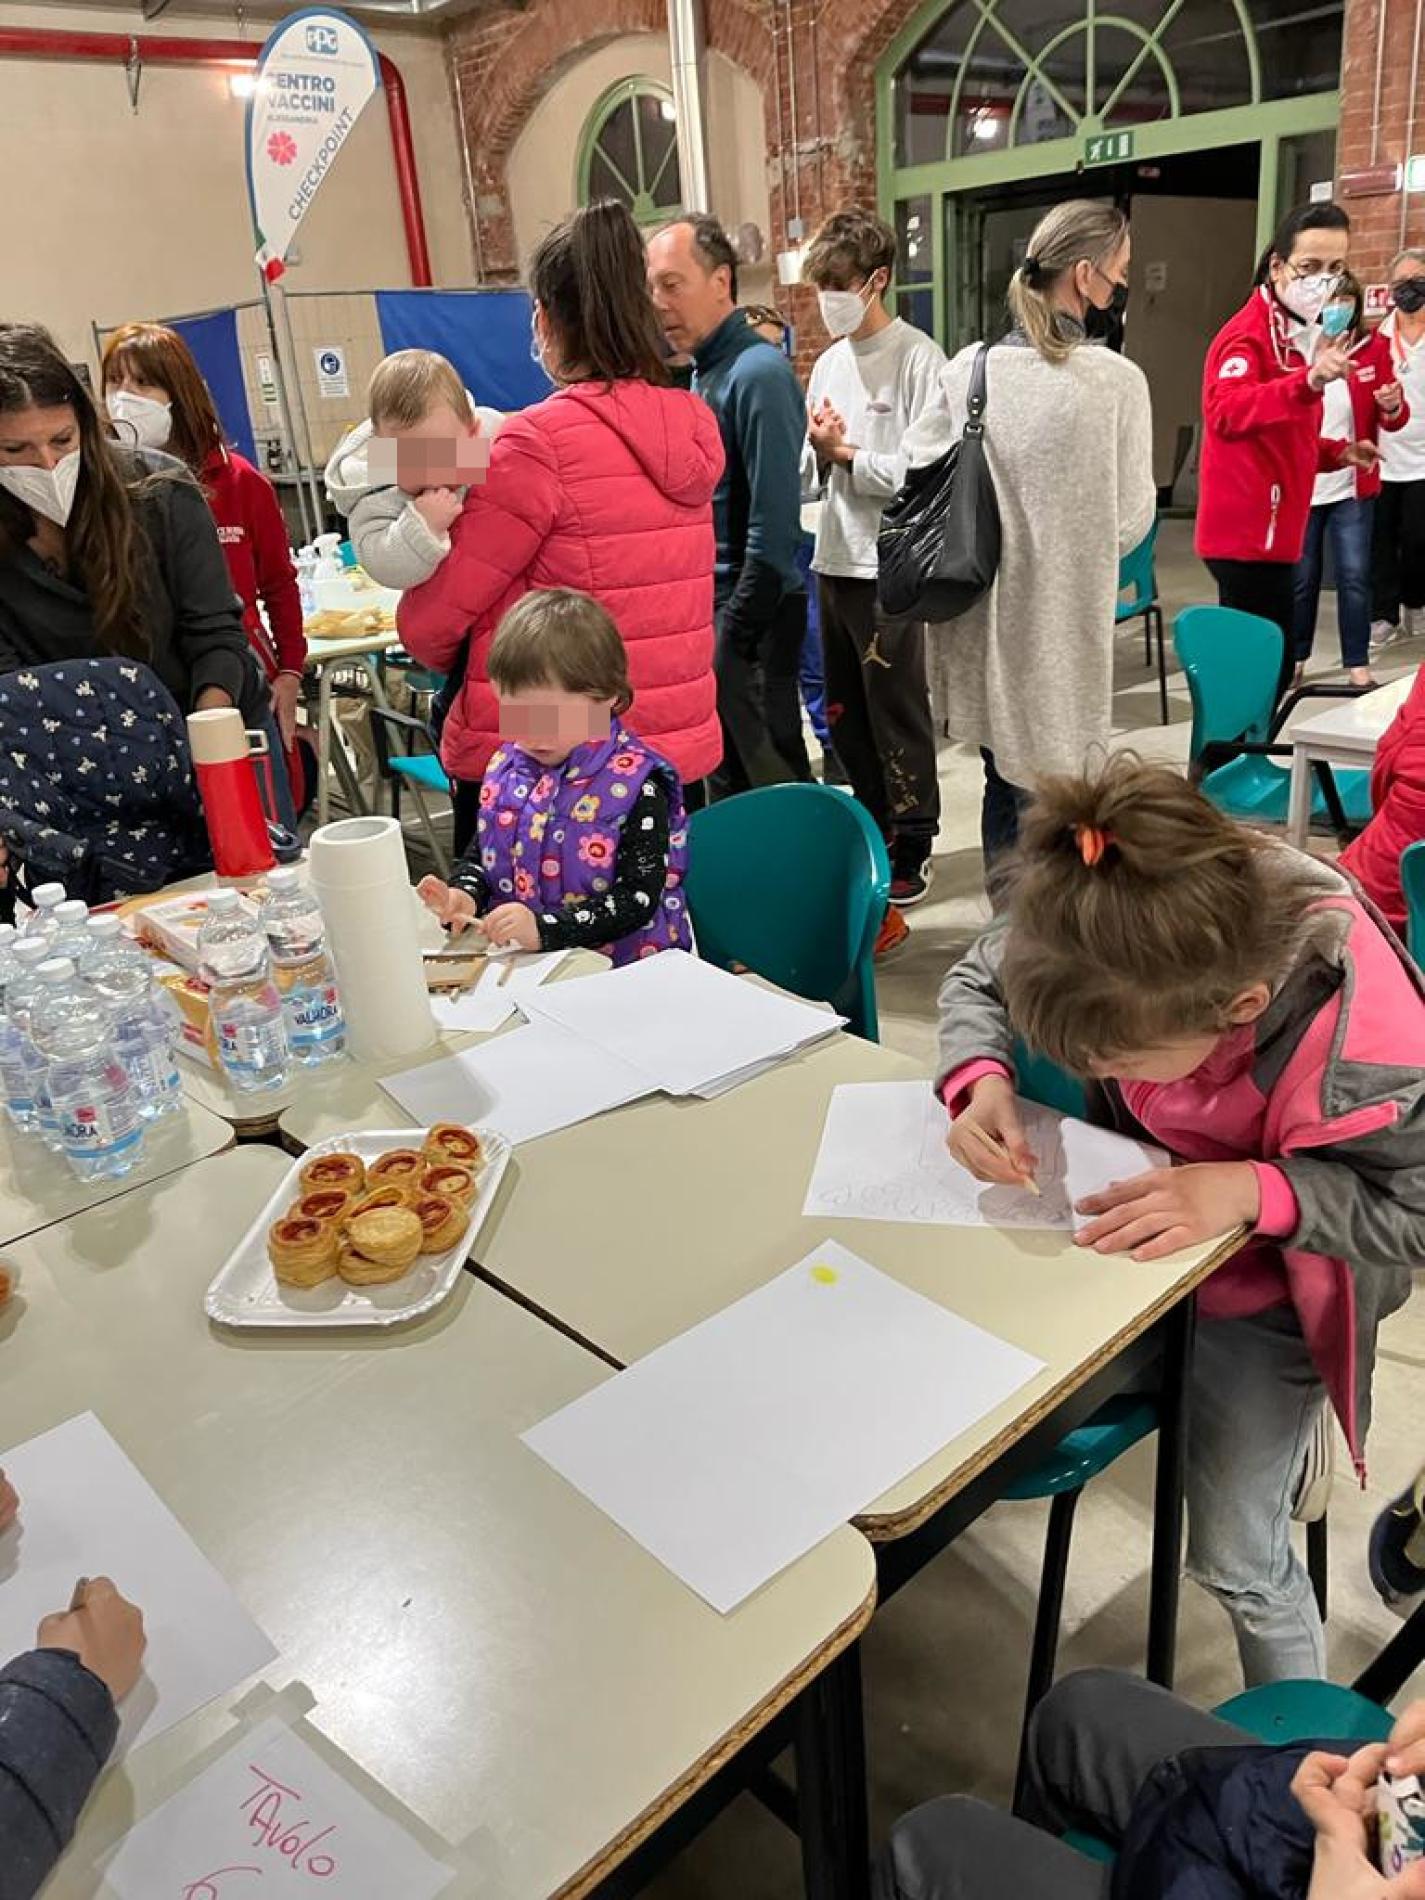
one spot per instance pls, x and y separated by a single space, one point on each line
347 475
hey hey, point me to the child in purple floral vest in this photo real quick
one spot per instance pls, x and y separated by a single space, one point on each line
582 838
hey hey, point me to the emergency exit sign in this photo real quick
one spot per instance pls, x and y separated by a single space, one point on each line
1108 148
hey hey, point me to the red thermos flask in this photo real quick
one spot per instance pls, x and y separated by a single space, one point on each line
223 754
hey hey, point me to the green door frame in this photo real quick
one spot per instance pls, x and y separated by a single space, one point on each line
1264 124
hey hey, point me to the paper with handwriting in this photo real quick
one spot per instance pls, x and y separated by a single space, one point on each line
271 1820
883 1157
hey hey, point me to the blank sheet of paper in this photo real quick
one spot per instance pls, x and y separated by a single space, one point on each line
86 1511
271 1817
735 1448
490 1002
684 1023
883 1157
524 1084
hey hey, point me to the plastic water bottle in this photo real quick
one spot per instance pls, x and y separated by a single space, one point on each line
243 1000
71 937
42 922
291 920
99 1124
145 1021
9 937
13 1075
22 1067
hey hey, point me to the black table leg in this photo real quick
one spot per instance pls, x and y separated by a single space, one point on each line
831 1783
1177 1329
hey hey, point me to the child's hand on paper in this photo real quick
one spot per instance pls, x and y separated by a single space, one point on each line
1166 1209
511 927
987 1136
438 508
106 1633
453 907
9 1503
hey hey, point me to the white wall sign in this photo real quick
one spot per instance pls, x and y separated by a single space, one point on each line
267 381
317 73
332 379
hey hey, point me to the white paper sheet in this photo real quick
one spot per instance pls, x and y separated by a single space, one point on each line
683 1022
271 1818
86 1511
883 1157
491 1001
527 1083
732 1450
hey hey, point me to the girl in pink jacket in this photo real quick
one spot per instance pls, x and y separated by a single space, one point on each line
1235 1002
607 487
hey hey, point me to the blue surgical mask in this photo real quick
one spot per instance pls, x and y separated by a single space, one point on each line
1336 319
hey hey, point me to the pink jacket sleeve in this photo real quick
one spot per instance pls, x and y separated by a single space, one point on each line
494 542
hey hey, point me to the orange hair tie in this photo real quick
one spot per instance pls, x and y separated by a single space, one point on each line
1092 842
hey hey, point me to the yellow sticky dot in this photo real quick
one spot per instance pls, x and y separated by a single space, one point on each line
824 1276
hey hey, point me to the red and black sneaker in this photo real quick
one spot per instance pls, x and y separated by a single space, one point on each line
912 870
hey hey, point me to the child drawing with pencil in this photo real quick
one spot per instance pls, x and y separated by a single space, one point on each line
582 837
1238 1004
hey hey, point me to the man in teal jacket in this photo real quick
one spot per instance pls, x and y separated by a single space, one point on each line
759 593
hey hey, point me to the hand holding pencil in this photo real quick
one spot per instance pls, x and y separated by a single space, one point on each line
104 1630
987 1137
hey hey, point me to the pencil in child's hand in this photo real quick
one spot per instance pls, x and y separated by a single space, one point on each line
1026 1180
76 1601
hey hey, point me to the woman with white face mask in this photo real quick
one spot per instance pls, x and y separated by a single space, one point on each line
157 399
1262 441
106 550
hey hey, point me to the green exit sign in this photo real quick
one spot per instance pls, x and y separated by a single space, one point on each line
1108 148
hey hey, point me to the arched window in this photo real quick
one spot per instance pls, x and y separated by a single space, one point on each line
994 74
629 151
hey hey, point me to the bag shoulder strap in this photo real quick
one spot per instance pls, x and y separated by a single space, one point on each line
976 399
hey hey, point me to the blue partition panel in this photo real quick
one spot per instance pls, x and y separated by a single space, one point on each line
213 341
485 333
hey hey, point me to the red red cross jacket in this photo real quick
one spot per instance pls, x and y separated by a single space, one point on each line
1261 440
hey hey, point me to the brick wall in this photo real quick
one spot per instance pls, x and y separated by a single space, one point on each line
1367 139
814 60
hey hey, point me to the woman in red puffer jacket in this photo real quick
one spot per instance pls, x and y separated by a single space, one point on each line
1398 795
606 486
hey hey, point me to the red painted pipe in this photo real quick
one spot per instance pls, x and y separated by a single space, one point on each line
42 42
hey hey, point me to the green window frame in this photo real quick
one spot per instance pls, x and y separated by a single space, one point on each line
638 180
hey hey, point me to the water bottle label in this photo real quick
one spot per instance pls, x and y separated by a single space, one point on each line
248 1045
93 1129
315 1013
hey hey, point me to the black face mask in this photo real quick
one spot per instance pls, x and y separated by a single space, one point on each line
1106 325
1409 295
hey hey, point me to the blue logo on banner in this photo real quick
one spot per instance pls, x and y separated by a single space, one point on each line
323 39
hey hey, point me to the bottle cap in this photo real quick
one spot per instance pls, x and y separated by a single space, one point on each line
285 877
222 900
31 950
48 894
106 926
72 911
218 736
56 970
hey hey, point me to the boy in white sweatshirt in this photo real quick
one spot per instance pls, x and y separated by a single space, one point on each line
864 394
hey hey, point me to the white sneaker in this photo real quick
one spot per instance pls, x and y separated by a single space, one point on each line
1384 634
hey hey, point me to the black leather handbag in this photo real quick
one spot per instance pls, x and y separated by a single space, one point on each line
940 538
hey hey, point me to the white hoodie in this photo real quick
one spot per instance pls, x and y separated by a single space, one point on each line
389 537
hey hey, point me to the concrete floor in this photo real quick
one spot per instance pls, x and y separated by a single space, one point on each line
944 1661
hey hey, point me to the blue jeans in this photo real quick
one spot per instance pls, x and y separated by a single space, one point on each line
1253 1403
1348 523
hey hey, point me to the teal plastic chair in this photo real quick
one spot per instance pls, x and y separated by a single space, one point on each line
1412 883
1138 578
1233 663
407 756
792 881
